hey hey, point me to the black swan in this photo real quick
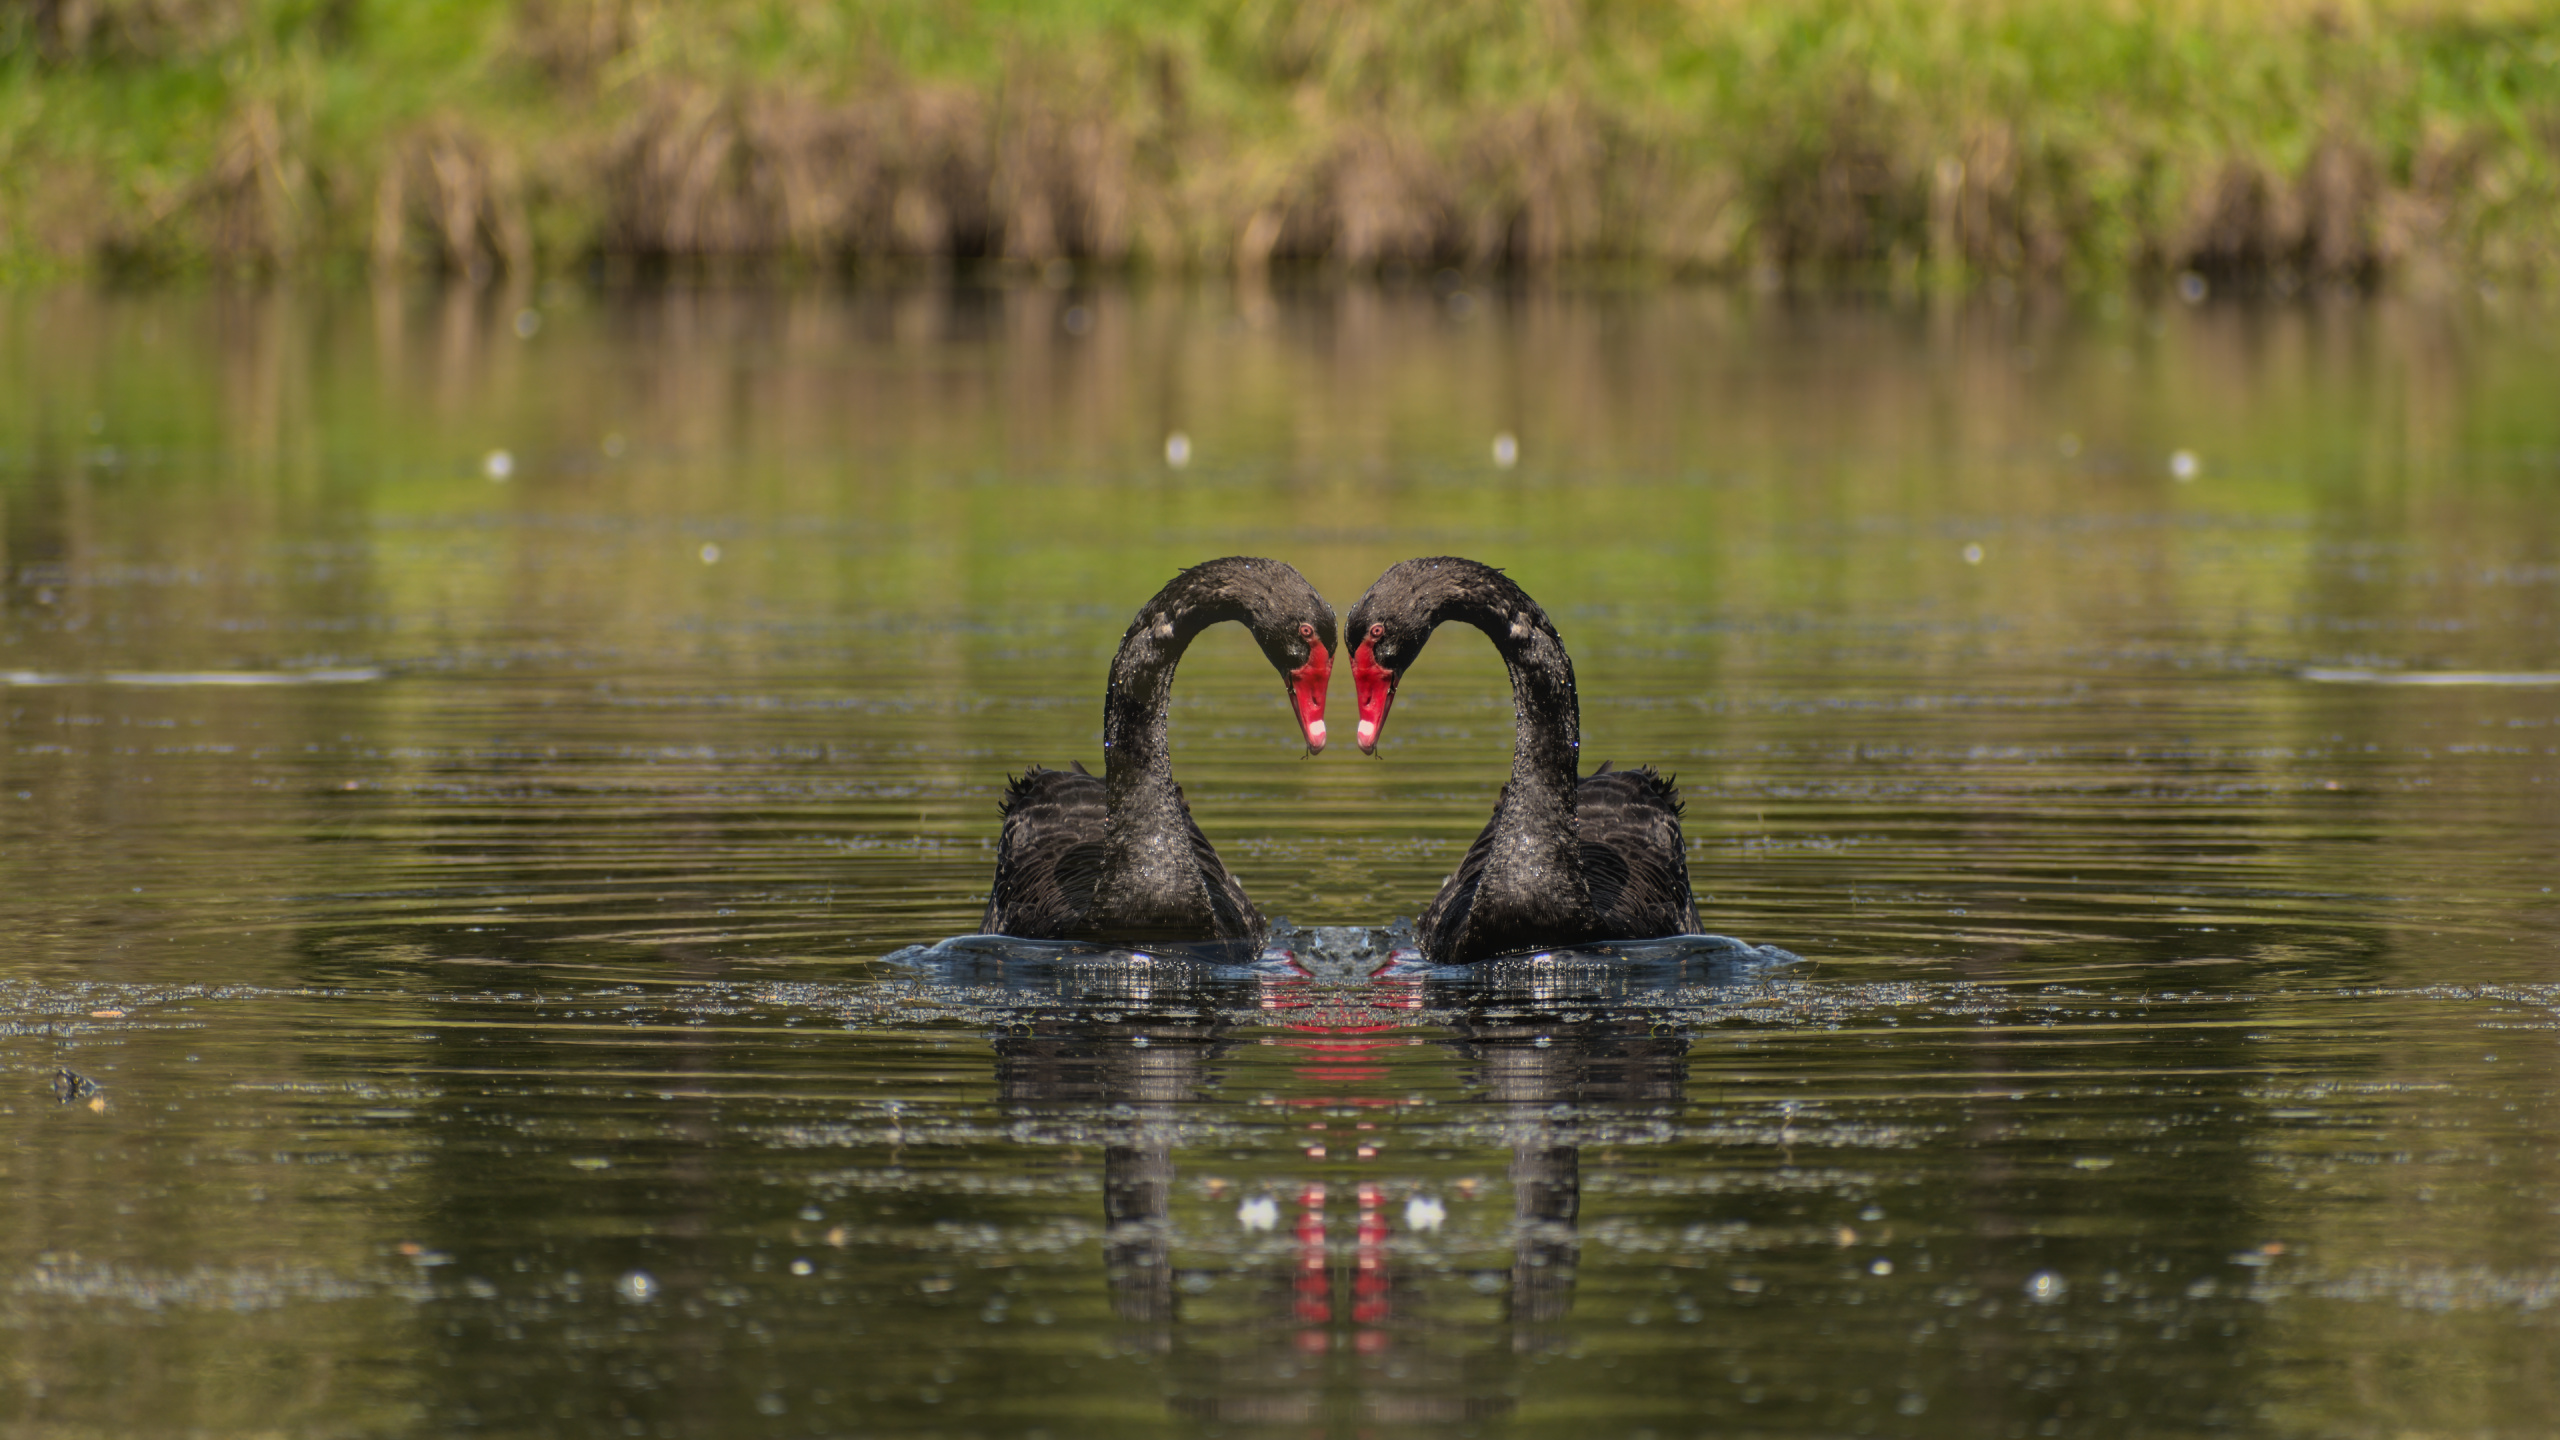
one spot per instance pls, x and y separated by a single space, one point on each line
1565 861
1118 859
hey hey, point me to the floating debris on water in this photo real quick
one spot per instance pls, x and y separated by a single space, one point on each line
351 675
2521 678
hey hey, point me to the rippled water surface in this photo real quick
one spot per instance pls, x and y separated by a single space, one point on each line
464 757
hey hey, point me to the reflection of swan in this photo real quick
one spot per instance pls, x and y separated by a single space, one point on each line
1300 1337
1118 859
1564 861
1312 1310
1137 1073
1533 1071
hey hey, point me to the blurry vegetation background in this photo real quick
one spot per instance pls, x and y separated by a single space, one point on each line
2287 143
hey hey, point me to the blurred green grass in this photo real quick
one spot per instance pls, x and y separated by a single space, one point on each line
2291 143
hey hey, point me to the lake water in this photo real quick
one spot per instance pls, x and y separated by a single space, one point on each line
464 755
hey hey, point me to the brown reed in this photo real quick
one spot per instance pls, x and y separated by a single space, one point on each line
2301 143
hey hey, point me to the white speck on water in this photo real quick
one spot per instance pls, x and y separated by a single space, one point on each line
636 1285
498 465
710 554
803 1267
1506 450
1422 1212
1881 1267
2046 1286
1259 1212
1177 449
1972 553
2184 465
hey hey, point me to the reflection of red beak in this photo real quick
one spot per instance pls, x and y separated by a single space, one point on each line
1306 691
1374 685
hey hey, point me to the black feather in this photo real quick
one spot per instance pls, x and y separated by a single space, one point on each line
1049 854
1633 856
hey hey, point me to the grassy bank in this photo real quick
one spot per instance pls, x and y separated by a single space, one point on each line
2287 143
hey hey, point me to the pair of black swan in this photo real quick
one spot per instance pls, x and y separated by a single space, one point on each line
1566 860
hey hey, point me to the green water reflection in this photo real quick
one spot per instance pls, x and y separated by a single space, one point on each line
485 1010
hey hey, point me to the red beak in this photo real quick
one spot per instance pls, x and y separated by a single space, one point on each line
1306 691
1375 687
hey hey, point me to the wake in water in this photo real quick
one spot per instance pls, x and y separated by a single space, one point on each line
1334 956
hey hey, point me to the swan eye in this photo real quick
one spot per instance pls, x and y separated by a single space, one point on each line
1377 630
1306 631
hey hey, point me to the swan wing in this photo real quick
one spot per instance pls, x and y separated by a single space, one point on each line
1633 856
1237 919
1445 920
1048 855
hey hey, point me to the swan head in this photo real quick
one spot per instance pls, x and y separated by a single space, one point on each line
1373 682
1384 640
1309 679
1394 620
1290 621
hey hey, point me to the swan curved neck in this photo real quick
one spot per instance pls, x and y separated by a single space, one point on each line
1137 757
1150 871
1546 712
